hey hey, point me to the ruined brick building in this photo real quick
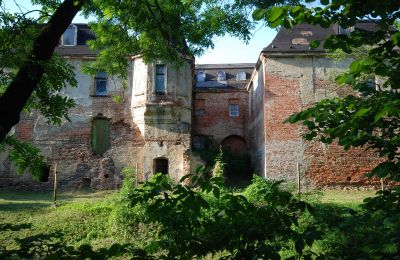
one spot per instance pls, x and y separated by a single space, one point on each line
165 111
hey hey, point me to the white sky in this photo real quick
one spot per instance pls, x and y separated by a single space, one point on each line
227 49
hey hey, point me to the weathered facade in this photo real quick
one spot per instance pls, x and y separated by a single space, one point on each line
163 114
289 77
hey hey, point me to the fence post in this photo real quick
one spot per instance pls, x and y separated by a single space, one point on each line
298 177
55 184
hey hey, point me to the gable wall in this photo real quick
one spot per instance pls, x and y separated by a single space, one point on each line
291 85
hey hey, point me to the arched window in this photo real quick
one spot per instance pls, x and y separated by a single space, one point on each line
100 135
201 76
221 75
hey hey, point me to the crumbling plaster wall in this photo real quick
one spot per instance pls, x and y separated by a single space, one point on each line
255 124
291 85
69 145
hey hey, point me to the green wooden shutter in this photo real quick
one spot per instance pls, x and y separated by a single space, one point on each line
100 135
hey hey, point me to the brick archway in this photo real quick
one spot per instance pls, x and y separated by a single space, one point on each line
235 143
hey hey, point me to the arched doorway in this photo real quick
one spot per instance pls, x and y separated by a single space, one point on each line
235 144
160 165
237 170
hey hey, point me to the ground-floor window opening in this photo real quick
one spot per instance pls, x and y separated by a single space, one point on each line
160 165
45 174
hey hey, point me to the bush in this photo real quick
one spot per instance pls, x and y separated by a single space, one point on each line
194 220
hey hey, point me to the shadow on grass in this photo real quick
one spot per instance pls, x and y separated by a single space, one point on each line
14 227
23 206
52 246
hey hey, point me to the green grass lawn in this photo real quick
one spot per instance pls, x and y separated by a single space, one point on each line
84 217
78 218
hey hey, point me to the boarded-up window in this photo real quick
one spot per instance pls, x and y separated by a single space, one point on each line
100 135
160 79
199 106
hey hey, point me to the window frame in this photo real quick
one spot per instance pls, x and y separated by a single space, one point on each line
239 74
221 75
75 40
105 78
164 87
234 112
201 76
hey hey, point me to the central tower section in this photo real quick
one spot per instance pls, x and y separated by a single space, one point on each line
162 109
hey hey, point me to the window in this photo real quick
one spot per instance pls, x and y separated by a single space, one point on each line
221 75
233 110
241 75
199 106
100 135
100 84
201 142
346 31
69 36
370 83
233 107
160 165
201 76
160 79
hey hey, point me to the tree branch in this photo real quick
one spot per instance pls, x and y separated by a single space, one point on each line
29 75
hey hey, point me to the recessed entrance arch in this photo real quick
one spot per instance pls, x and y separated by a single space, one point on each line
235 143
160 165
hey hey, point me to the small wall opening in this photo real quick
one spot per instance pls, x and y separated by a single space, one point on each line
160 165
45 174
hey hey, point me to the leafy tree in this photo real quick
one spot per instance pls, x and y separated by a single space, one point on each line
166 30
370 117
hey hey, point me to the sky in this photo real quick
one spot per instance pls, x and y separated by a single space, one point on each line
227 49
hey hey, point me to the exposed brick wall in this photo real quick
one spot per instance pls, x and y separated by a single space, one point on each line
216 121
291 85
24 129
69 147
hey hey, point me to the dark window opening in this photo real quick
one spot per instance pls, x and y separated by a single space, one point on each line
202 142
160 79
45 174
100 84
161 165
100 135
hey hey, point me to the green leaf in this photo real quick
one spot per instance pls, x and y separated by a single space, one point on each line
216 192
315 44
361 112
324 2
259 14
274 13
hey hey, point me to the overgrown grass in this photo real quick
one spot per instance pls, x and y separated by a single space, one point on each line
89 218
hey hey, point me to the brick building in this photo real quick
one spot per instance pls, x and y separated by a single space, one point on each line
165 111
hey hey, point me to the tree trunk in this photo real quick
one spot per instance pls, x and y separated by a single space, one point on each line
29 75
